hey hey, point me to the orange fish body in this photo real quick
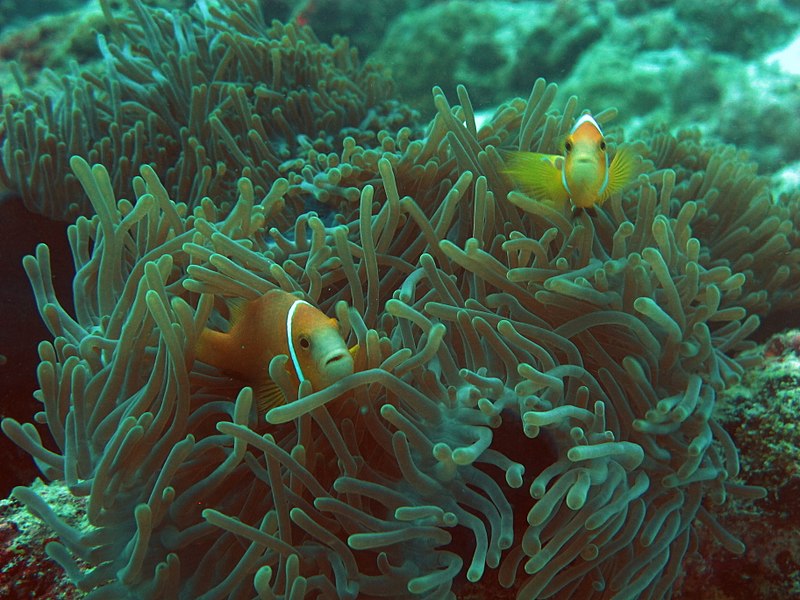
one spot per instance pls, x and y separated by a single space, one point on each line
582 175
277 323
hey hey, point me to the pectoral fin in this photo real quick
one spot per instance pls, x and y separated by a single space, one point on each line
624 168
268 395
538 175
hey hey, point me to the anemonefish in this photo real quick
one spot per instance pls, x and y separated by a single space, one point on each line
583 174
277 323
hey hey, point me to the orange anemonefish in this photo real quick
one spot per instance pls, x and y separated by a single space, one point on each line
277 323
583 174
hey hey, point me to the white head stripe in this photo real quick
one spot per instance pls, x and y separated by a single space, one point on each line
583 119
290 341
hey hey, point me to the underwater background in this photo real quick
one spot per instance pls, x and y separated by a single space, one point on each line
545 404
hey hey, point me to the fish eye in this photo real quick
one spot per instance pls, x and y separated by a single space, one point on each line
603 145
567 146
304 342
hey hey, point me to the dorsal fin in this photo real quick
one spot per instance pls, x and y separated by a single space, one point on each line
210 345
236 308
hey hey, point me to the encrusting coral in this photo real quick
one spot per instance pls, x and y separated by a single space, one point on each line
533 395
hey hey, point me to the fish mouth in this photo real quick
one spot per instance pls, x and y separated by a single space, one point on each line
335 358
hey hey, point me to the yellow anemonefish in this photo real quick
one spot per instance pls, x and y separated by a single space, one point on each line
277 323
583 174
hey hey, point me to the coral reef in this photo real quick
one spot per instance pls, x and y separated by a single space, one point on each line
44 46
13 11
760 412
478 44
533 403
25 570
747 30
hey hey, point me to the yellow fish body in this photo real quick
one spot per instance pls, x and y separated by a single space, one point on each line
277 323
583 174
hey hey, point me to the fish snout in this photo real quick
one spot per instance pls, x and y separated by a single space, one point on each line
335 365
